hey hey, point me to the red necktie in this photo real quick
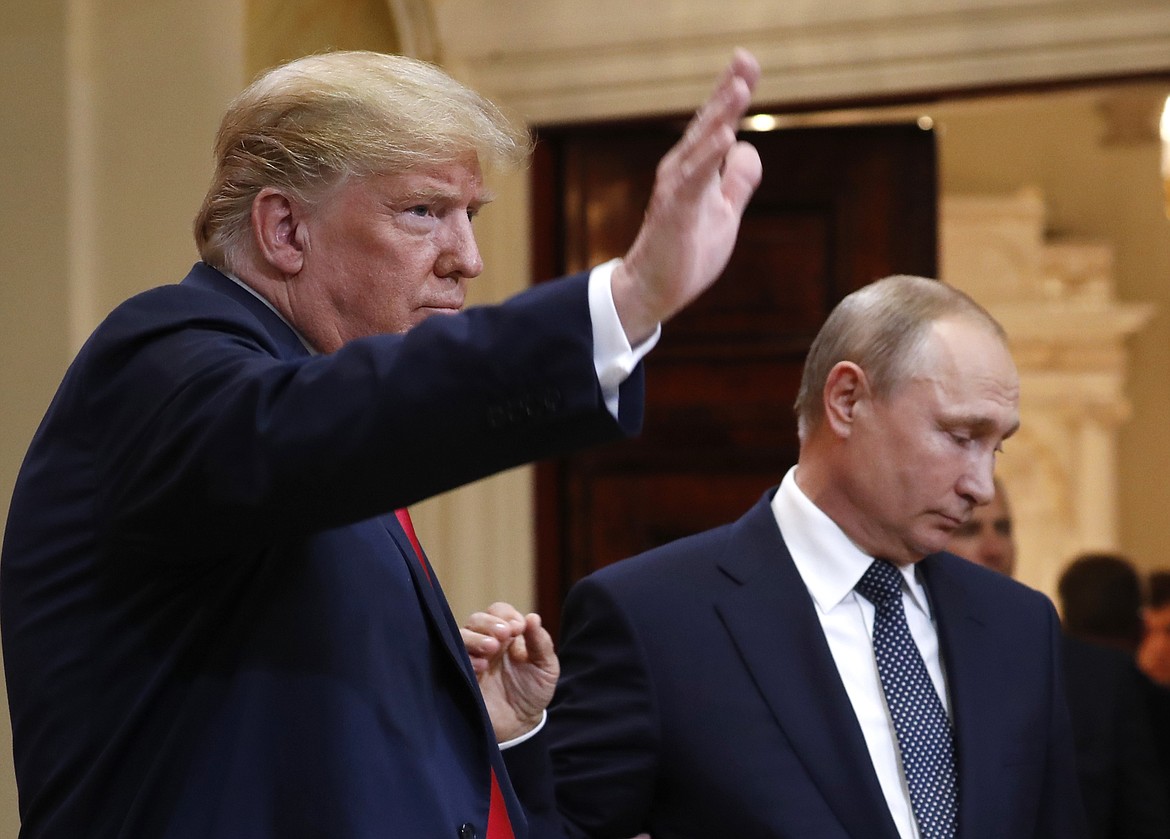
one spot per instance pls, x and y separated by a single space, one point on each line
408 526
498 826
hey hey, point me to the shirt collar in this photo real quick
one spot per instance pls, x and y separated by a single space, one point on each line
828 561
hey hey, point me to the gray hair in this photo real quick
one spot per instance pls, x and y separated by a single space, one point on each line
310 124
881 328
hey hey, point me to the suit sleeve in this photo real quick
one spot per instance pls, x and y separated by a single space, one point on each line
208 437
602 732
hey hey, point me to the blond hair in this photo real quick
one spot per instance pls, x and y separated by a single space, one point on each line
881 328
310 124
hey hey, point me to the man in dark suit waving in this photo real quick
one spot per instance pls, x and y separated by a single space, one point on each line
217 620
819 669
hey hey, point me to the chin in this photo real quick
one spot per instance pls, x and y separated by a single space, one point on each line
933 545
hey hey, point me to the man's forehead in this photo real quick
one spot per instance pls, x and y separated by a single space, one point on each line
457 180
973 364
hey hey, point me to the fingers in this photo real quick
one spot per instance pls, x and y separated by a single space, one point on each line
538 643
745 65
480 648
490 632
500 620
742 171
711 133
731 95
507 612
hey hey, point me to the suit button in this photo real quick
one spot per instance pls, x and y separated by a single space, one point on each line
467 831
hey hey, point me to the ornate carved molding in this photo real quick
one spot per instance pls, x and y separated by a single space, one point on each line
1068 332
558 60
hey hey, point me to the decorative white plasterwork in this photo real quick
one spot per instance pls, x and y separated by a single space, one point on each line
564 60
1068 333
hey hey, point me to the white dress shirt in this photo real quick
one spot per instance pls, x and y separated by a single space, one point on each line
830 565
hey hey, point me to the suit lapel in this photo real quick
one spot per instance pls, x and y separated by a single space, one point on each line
976 691
432 600
773 624
435 608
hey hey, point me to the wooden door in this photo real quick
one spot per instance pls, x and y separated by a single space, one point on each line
838 207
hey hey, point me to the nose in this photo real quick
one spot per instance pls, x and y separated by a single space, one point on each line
978 482
459 256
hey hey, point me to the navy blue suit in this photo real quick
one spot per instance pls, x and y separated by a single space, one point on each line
213 624
699 698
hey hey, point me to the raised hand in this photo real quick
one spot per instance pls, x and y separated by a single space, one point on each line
515 664
701 188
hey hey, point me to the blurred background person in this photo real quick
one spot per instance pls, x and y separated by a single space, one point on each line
986 538
1153 660
1101 601
1154 650
1123 782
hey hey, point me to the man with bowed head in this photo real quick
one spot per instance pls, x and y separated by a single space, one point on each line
217 619
820 669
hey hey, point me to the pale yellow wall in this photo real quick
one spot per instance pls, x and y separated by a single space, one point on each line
1101 190
159 74
110 108
279 31
33 235
33 223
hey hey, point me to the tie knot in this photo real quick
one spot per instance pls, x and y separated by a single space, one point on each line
880 583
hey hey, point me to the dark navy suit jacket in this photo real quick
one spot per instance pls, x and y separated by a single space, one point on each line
699 698
213 624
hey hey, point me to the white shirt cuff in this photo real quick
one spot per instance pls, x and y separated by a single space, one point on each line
516 741
613 357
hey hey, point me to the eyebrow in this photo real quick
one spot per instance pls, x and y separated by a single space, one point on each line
425 195
977 425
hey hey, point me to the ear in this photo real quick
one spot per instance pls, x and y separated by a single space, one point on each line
845 388
278 226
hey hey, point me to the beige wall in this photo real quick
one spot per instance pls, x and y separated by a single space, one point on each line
279 31
33 207
111 107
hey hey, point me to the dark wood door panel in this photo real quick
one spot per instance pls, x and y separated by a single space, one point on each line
837 208
631 512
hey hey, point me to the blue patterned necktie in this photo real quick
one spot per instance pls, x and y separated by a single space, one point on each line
925 739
